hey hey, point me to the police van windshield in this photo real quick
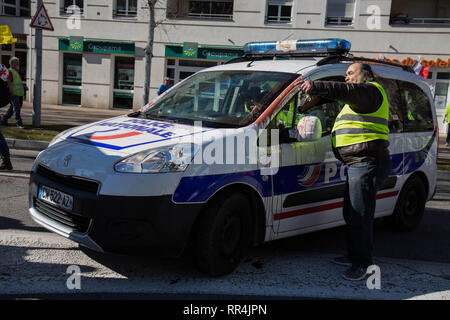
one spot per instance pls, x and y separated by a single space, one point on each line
220 98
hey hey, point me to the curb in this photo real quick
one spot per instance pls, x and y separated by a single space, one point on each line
27 144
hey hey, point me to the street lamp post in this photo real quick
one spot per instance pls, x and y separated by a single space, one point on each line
36 113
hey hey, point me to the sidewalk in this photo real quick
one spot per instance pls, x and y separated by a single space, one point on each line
69 115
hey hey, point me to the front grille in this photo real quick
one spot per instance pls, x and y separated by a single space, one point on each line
68 219
69 181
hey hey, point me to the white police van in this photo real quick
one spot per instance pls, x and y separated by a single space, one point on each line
226 159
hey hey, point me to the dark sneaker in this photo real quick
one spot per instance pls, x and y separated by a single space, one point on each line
342 261
5 164
20 126
355 274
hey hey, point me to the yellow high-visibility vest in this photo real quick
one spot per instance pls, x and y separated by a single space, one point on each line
16 86
351 127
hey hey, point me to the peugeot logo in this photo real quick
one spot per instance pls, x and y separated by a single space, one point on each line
67 160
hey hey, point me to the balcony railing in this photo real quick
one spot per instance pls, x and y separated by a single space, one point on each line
211 16
340 21
70 10
125 13
278 19
419 21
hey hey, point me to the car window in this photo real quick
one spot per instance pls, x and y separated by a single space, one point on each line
417 113
221 98
391 87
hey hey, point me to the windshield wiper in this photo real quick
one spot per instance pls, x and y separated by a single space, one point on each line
162 118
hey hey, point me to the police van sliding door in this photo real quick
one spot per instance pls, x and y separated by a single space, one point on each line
308 187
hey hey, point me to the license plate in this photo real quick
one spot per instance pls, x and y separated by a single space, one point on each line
56 197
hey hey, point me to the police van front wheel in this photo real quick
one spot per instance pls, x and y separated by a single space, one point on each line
410 205
223 235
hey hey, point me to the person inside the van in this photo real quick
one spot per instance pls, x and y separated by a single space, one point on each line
360 141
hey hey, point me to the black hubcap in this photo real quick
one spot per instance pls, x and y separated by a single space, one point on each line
231 233
411 204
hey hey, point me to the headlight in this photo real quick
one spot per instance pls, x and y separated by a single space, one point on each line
167 159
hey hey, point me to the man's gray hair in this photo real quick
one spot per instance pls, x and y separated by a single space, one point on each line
366 70
13 59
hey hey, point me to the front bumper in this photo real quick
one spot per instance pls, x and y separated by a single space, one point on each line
130 225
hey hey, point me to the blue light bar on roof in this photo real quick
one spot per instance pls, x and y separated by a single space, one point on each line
297 46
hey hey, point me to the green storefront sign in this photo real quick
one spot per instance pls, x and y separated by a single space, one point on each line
190 49
78 44
210 53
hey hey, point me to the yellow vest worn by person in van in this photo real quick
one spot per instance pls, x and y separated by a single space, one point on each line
16 85
351 127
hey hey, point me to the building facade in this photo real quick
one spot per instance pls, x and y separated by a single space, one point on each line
95 57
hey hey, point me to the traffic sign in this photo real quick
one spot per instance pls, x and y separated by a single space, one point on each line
41 20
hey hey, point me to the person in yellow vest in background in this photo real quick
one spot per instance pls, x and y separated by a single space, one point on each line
17 90
447 117
360 141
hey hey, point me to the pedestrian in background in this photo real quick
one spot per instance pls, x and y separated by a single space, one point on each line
447 117
17 90
360 141
166 85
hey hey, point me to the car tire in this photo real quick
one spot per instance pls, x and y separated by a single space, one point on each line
223 235
410 205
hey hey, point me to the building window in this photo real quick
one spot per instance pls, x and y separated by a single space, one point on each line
123 83
434 13
71 88
211 9
126 8
15 8
279 12
72 6
340 12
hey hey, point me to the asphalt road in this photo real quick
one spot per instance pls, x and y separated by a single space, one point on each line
34 264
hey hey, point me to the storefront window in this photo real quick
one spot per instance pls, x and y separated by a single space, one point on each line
72 72
19 50
180 69
123 83
443 75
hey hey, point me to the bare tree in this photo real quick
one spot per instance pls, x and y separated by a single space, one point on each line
149 47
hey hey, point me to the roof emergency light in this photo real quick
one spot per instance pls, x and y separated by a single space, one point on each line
312 46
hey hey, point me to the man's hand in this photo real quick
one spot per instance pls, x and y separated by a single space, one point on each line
304 86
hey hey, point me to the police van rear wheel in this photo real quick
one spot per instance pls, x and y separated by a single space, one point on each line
223 235
410 205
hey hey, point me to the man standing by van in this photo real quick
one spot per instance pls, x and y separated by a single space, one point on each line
360 141
17 93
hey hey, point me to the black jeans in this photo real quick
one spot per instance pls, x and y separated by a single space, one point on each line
4 150
364 179
15 106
